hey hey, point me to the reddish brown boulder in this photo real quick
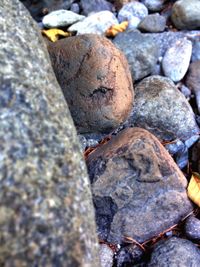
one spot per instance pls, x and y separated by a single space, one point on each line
95 79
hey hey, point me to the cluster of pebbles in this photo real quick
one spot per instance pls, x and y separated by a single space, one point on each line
138 87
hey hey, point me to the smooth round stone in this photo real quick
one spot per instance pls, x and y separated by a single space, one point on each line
138 190
106 255
175 252
97 23
153 23
95 6
154 5
95 78
192 228
134 12
186 14
61 18
75 8
176 60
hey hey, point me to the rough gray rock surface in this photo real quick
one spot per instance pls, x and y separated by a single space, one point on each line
186 14
140 50
138 190
163 110
154 5
175 252
106 255
129 255
96 81
192 228
95 6
46 214
153 23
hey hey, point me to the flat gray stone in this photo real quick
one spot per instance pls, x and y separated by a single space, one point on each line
141 52
153 23
175 252
138 190
163 110
154 5
61 18
46 213
95 6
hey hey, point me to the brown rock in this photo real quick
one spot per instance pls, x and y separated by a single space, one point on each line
138 190
95 79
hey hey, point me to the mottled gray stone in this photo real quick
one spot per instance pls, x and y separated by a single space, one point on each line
192 228
175 252
134 12
196 50
154 5
186 14
129 255
141 52
95 6
106 255
176 60
97 23
61 18
138 190
163 110
153 23
46 214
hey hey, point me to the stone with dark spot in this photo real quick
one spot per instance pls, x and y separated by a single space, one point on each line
95 80
138 190
129 255
46 211
163 110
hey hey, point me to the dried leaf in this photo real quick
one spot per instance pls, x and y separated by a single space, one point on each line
53 34
194 188
115 29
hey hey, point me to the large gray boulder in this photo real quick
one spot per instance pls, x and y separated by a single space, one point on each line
46 214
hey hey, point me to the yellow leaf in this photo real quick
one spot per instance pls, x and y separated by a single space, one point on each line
194 188
115 29
53 34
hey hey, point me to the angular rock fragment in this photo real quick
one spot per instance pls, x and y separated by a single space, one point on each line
138 190
46 214
95 79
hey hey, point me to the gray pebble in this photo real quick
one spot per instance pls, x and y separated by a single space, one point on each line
192 228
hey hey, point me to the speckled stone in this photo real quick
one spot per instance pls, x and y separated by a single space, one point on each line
106 255
192 228
138 190
175 252
153 23
46 214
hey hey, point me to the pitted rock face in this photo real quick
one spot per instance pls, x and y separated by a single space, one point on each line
138 190
95 79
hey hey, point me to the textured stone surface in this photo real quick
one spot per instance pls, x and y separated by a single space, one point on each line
154 5
46 214
176 60
153 23
138 190
163 110
95 6
186 14
39 8
129 255
96 81
193 80
134 12
192 228
196 50
106 256
175 252
140 51
97 23
61 18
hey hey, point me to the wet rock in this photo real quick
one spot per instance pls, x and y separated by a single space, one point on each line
95 6
106 256
97 23
61 18
153 23
138 190
140 51
186 14
177 59
154 5
129 255
134 12
39 8
46 213
196 51
163 110
193 80
175 252
192 228
96 78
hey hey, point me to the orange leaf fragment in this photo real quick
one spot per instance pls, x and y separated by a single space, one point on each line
53 34
115 29
194 188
